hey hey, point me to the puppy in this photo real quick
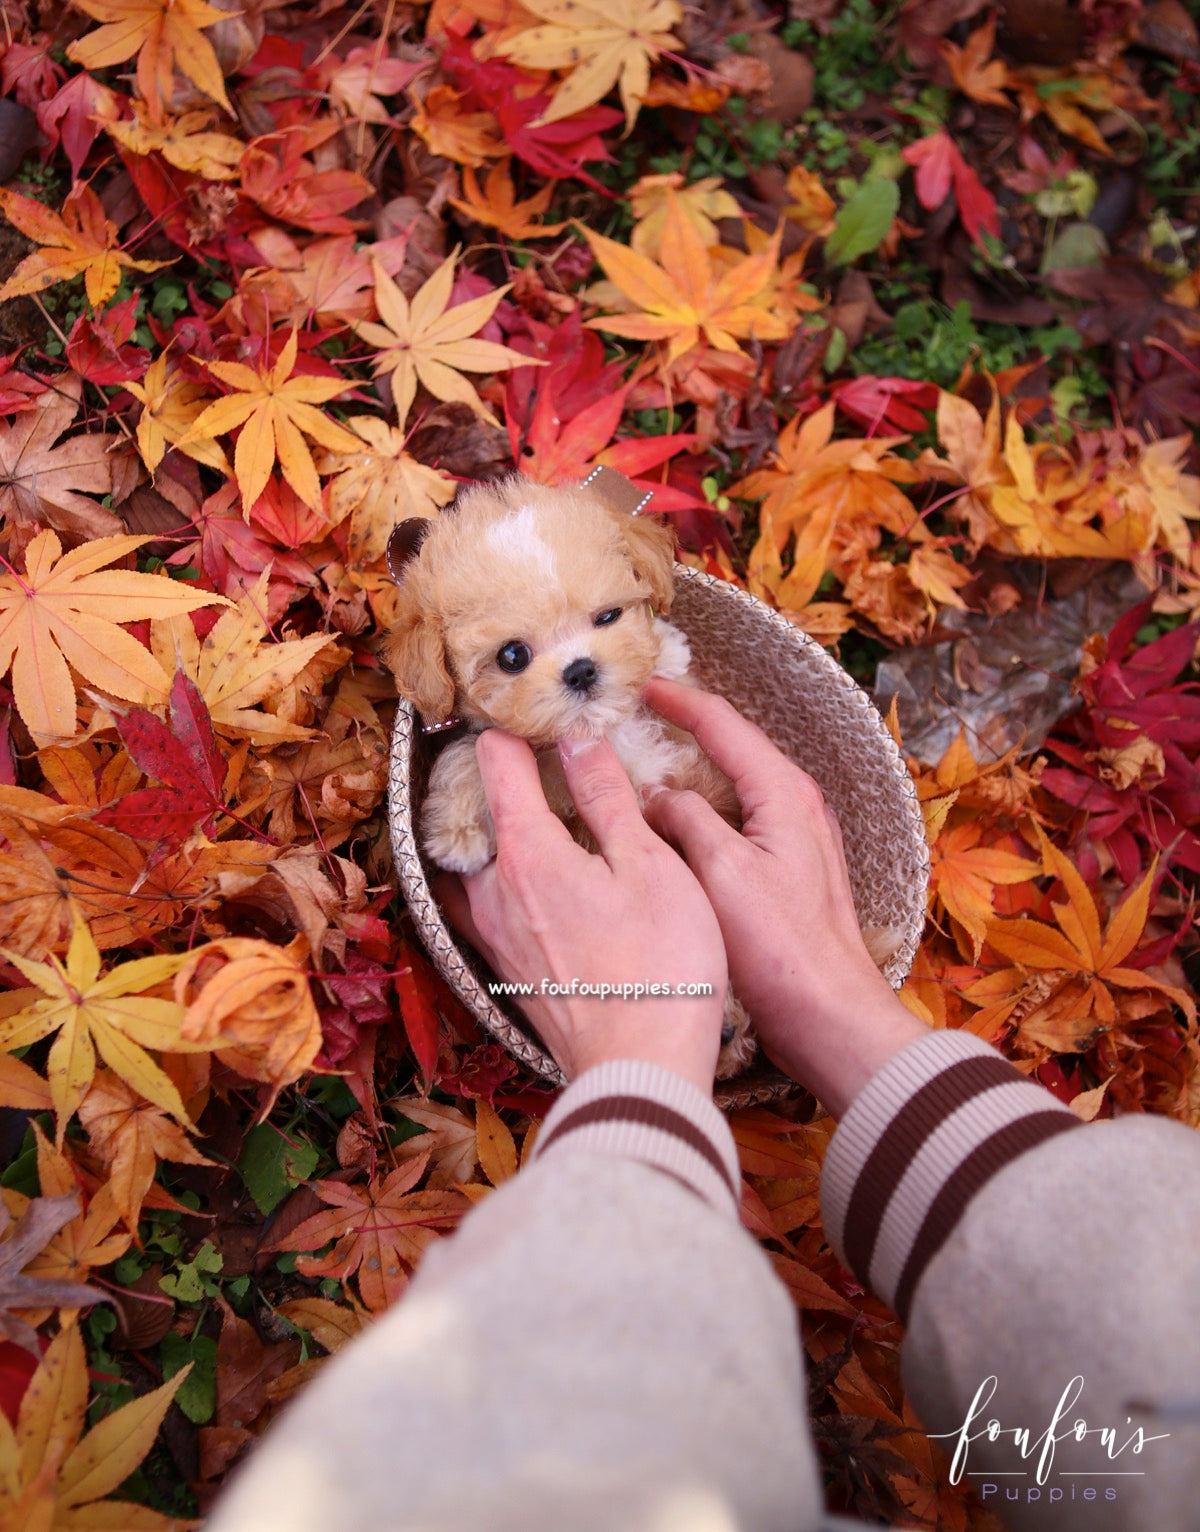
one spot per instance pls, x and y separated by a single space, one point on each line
541 611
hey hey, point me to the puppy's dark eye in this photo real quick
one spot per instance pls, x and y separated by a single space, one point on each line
514 657
603 620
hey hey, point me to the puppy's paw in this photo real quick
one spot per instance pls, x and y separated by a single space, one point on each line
464 848
738 1046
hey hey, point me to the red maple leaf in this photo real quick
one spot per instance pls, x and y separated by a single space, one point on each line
1151 808
555 149
893 402
96 346
185 758
940 166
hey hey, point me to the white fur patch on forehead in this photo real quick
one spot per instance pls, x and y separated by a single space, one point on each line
516 537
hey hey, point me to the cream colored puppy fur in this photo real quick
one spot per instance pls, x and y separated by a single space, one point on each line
538 611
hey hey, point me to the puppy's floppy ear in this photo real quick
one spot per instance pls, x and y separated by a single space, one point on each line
651 550
650 546
415 654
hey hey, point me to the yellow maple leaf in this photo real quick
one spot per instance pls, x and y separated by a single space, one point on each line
66 608
171 404
427 343
110 1014
379 486
54 1475
964 874
601 42
700 202
495 204
79 242
234 670
683 301
187 142
811 206
275 411
163 34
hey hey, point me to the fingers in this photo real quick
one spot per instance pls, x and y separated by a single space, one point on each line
604 796
509 771
765 780
690 824
738 746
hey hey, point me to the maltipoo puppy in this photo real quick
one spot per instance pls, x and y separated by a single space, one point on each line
541 611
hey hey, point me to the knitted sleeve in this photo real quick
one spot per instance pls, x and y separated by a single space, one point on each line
917 1144
640 1111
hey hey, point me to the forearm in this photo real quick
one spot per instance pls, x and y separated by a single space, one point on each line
600 1342
1021 1245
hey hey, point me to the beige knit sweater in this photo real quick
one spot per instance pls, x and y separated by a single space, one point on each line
602 1346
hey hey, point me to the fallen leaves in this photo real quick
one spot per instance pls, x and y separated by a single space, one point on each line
55 1474
164 34
379 1232
67 607
79 242
20 1241
683 300
602 45
431 342
865 396
56 485
274 407
250 1001
88 1012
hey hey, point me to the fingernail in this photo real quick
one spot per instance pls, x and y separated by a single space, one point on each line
650 791
569 749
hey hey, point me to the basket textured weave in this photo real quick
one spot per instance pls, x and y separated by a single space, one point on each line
787 684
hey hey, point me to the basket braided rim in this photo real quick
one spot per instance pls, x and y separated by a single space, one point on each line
765 1084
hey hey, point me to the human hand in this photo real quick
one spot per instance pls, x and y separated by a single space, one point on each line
546 909
823 1011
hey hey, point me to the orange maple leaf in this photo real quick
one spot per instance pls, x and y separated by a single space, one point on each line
828 495
163 34
964 875
468 138
1074 963
275 411
131 1135
974 75
683 301
380 1231
495 204
79 242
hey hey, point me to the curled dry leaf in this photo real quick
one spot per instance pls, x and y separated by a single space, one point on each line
250 1002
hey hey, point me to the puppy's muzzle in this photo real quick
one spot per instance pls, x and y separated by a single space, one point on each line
581 675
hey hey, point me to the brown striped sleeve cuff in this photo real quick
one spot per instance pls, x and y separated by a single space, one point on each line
918 1142
643 1112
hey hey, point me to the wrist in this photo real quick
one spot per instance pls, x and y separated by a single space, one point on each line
834 1054
689 1048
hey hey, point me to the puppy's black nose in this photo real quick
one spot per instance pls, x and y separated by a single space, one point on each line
580 675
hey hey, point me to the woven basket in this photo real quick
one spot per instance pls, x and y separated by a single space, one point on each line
787 684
